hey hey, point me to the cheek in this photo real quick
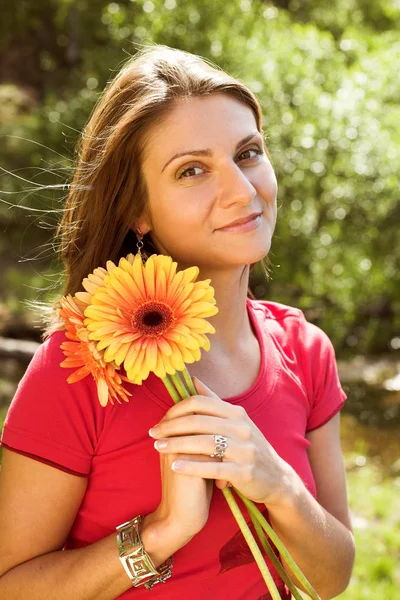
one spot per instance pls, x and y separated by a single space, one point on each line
177 223
270 184
267 191
183 217
189 207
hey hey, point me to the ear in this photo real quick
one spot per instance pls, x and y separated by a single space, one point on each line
142 224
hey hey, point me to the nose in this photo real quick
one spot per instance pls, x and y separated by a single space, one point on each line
235 187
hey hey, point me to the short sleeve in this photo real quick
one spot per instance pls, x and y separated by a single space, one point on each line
50 419
325 392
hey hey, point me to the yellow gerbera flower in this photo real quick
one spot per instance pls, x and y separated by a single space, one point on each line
95 280
149 318
82 353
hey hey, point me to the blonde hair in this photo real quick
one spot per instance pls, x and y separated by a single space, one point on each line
108 192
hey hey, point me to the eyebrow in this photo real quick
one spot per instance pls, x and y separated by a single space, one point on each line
207 151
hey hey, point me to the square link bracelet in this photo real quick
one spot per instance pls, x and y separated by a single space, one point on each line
137 563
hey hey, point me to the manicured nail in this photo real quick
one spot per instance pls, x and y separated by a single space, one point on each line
178 465
154 431
159 444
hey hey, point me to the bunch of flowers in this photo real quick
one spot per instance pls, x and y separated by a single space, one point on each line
138 318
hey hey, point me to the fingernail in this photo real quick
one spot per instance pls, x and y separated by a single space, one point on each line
154 431
160 444
178 465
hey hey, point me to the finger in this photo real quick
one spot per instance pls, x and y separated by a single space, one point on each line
199 444
226 471
203 389
200 424
221 484
205 405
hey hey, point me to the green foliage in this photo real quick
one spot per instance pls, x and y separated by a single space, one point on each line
375 515
375 506
326 81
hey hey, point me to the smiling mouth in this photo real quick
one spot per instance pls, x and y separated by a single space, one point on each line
239 222
246 225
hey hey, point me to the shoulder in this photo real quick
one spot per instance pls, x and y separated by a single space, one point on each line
275 311
297 340
44 388
50 418
288 324
307 351
45 372
49 354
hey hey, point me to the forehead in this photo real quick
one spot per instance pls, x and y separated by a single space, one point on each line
206 122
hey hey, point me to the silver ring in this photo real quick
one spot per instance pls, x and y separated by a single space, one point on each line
220 445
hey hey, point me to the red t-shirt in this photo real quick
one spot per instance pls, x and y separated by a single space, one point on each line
297 390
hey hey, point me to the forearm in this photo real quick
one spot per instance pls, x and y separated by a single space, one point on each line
322 547
90 573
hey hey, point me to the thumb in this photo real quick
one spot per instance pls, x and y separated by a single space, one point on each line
202 389
221 484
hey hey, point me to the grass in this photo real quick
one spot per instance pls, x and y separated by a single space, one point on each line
375 508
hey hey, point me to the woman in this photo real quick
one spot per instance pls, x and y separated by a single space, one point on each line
174 154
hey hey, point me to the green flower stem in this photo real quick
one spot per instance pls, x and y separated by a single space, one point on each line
255 550
189 382
171 389
274 559
177 391
281 548
179 385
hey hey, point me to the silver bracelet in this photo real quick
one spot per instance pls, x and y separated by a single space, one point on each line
137 563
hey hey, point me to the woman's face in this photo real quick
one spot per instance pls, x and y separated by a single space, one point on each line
218 178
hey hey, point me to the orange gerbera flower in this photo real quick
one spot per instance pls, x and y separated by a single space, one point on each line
149 318
82 353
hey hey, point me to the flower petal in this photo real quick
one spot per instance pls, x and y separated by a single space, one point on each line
78 375
137 269
149 278
163 346
161 285
151 355
190 275
130 358
160 368
176 358
102 391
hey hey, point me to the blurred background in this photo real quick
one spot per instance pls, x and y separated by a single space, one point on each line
327 75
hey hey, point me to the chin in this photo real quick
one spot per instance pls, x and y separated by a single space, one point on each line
252 257
260 253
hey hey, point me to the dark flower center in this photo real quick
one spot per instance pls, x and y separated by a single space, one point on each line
152 318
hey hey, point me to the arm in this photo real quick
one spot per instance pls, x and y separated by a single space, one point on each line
318 533
38 504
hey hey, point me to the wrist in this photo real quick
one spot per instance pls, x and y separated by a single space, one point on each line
287 491
160 538
138 563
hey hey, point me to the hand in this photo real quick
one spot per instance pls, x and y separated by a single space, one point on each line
185 501
250 462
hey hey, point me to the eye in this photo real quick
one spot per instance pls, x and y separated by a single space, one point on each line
255 149
189 168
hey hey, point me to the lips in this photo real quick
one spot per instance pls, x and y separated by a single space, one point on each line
241 220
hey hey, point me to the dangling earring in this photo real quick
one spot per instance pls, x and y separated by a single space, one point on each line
139 243
139 246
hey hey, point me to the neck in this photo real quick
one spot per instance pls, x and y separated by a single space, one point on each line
232 325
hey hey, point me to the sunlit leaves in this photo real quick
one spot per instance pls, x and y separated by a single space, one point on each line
329 94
